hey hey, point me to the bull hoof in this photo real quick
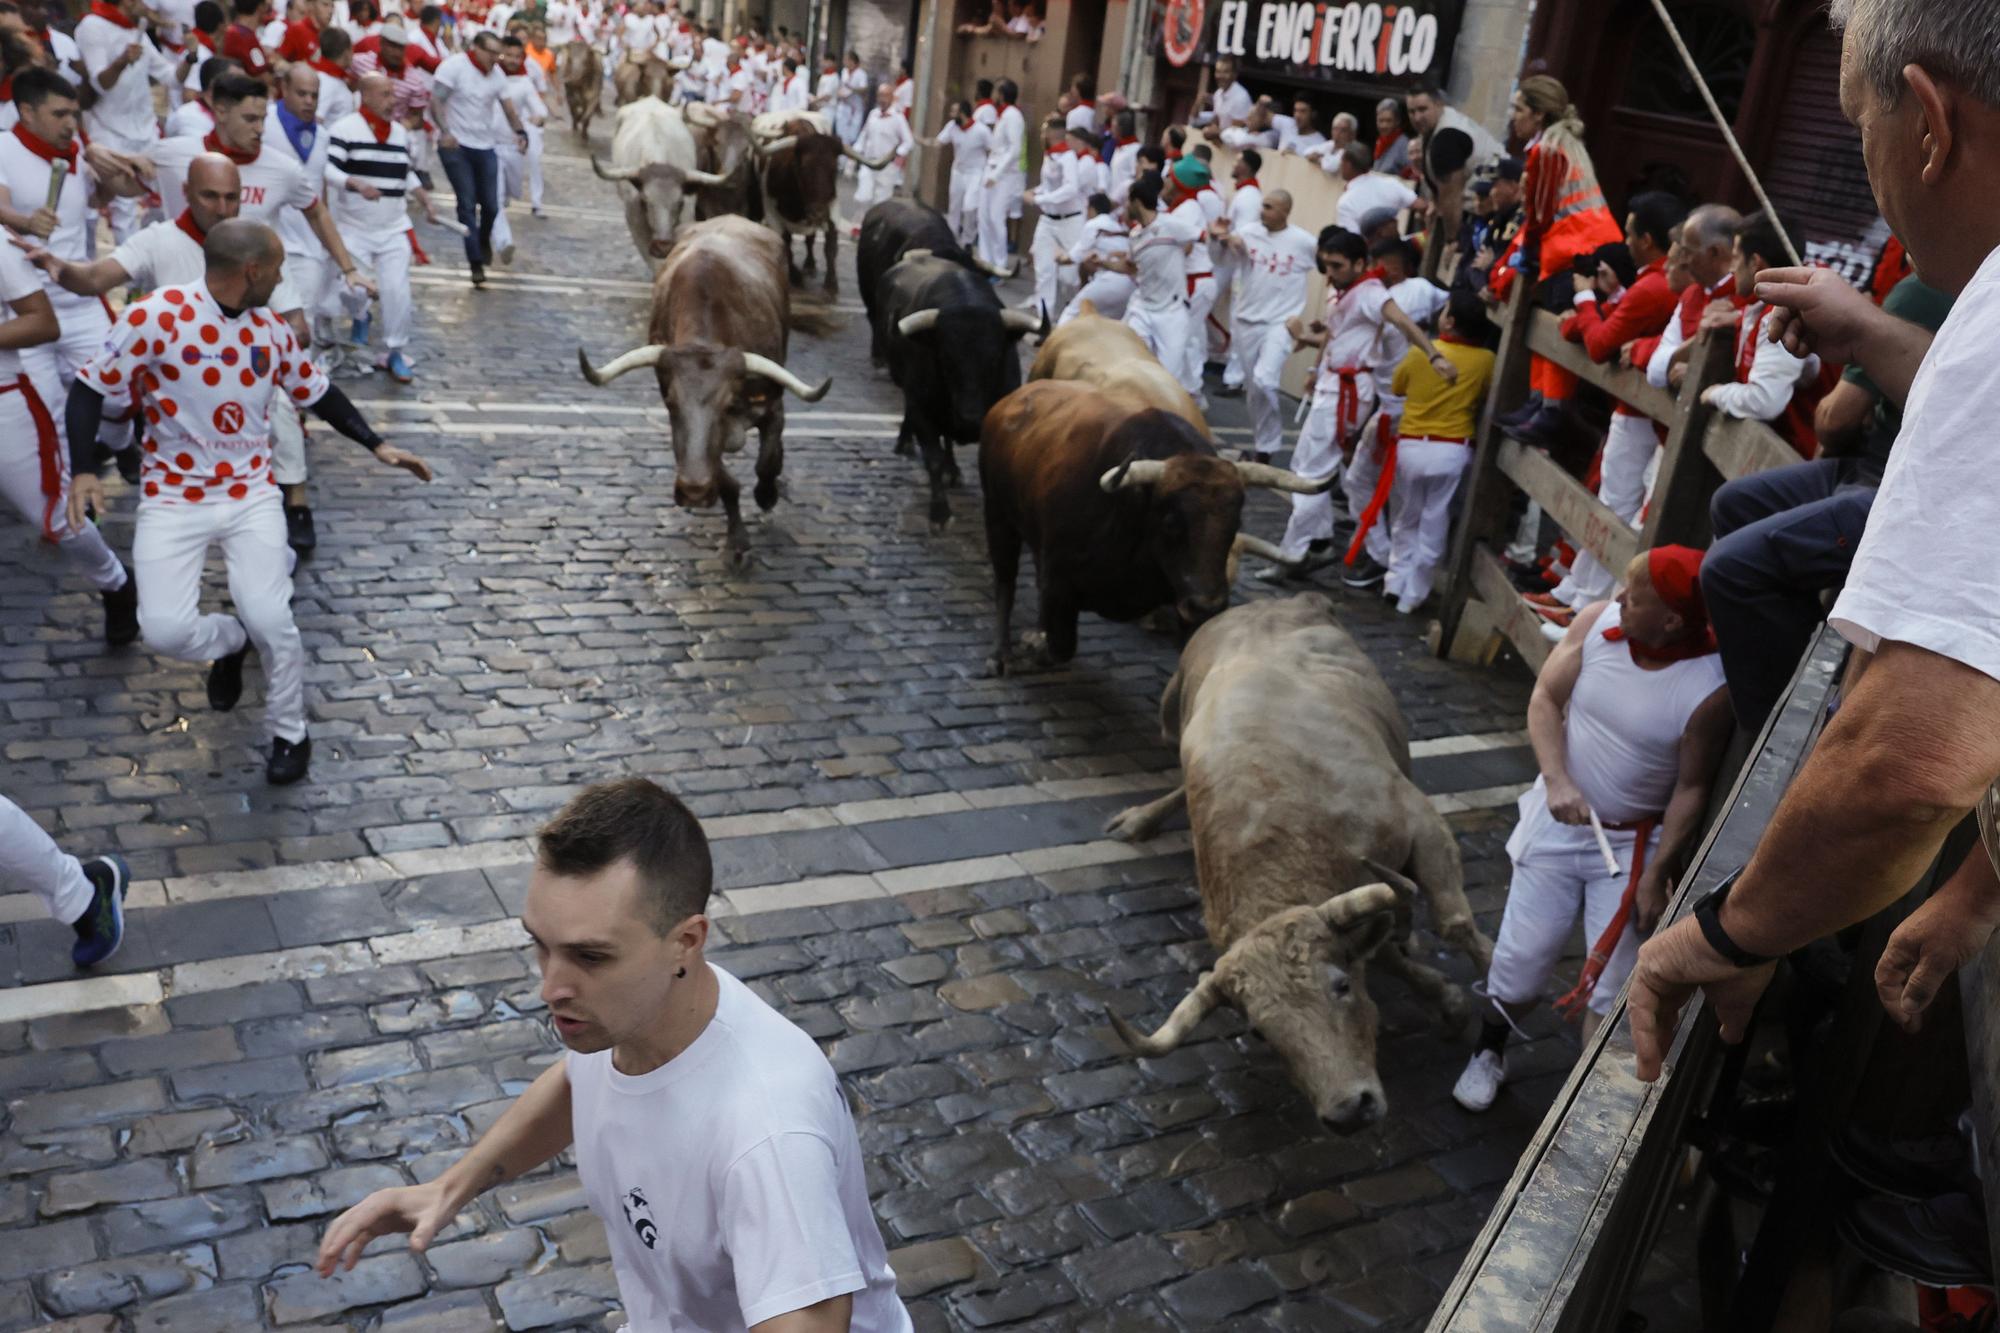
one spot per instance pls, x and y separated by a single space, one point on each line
798 278
1162 620
940 526
766 493
1454 1011
1130 825
831 290
906 448
953 477
995 668
812 265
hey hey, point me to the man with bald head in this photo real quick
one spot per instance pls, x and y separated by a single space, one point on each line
1275 262
166 252
369 173
205 361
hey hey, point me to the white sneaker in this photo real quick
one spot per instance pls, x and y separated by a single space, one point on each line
1480 1083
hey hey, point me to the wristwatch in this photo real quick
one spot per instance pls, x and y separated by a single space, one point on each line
1708 915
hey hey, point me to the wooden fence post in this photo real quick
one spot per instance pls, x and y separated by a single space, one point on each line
1679 509
1486 500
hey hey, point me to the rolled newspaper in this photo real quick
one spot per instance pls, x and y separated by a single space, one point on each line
1604 844
58 172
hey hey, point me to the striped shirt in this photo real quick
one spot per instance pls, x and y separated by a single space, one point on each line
412 85
355 154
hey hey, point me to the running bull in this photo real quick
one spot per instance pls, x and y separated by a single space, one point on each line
1126 507
891 231
1310 843
653 153
717 338
950 346
801 170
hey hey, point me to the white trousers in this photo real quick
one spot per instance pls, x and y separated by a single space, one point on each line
1163 329
875 185
386 254
21 459
1428 473
1201 300
994 202
1109 294
962 206
1053 236
1630 447
30 859
1559 874
1262 347
1363 474
1316 455
168 549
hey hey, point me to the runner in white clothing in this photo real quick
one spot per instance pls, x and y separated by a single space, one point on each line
1123 167
753 1212
969 142
122 65
1195 202
886 139
88 896
370 174
1157 264
1006 175
1275 262
1629 719
1058 197
1245 206
165 253
1104 237
204 362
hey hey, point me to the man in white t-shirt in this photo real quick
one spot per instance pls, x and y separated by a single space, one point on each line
469 92
1365 190
711 1136
165 253
1916 743
1275 264
1229 104
122 65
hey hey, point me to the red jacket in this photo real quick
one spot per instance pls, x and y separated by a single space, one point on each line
301 40
1641 312
240 44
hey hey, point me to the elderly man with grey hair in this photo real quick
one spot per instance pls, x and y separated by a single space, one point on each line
1916 745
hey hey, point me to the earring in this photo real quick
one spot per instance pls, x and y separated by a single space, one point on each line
680 972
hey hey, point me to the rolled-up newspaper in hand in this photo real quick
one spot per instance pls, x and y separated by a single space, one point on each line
58 172
1604 844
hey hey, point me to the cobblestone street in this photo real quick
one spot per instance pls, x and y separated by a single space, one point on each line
324 988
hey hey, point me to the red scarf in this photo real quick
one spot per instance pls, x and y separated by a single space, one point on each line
215 145
1122 143
1699 645
1383 143
112 14
186 223
379 126
42 148
1250 184
331 70
1059 150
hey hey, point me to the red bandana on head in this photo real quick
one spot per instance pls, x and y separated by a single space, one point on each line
1675 573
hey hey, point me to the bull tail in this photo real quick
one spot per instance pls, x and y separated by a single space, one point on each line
814 317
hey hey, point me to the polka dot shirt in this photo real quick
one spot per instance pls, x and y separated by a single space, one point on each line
204 382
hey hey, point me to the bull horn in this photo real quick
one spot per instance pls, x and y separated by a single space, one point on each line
648 355
872 163
918 253
921 321
612 173
1278 479
1133 472
1019 321
1344 909
704 180
777 374
1395 879
996 270
1257 546
776 145
1190 1011
700 114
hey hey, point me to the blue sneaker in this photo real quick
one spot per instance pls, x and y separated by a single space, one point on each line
358 335
101 928
398 367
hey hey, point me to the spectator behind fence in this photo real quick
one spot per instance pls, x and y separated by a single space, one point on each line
1772 384
711 1136
1434 447
1786 535
1917 741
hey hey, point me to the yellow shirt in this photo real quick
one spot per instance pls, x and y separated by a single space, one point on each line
1433 407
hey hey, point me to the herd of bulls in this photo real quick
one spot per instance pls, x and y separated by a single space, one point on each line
1312 843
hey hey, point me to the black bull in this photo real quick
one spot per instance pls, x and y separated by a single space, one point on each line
950 347
890 230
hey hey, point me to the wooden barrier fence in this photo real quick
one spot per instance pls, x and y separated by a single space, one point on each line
1481 609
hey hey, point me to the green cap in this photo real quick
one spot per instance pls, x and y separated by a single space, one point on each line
1191 171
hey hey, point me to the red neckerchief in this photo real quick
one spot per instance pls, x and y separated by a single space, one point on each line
1172 156
984 101
7 88
203 39
328 68
1091 105
1384 142
1250 184
215 145
186 223
377 125
1695 645
1125 143
42 148
1747 341
1378 273
112 14
1454 338
1059 150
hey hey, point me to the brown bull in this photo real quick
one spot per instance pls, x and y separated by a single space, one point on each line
1091 349
716 342
634 79
801 173
1310 844
581 70
1127 509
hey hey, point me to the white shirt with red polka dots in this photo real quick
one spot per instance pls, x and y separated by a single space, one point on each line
206 381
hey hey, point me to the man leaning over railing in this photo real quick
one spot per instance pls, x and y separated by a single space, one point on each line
1917 742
